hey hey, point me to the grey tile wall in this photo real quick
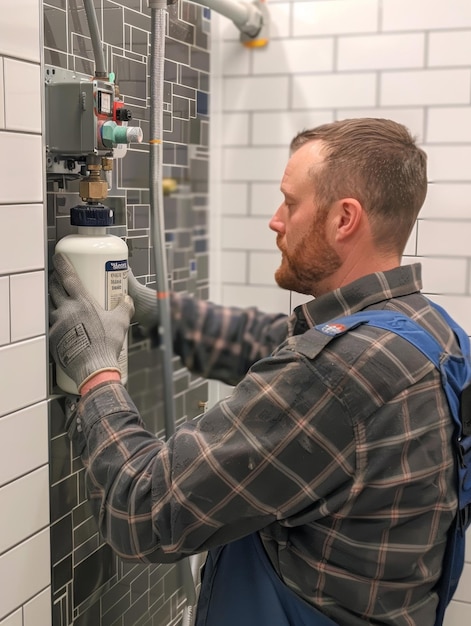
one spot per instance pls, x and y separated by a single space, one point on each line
90 585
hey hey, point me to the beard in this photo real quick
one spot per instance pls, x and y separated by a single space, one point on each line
309 263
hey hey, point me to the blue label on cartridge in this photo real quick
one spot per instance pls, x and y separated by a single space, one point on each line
116 266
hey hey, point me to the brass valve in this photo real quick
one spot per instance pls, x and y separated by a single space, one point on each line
93 188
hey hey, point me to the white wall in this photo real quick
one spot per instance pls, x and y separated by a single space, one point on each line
409 60
24 481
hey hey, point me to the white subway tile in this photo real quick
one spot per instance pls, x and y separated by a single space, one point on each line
280 19
411 245
12 175
2 97
25 430
235 130
449 125
254 164
263 266
23 381
278 129
4 310
20 36
256 93
235 267
447 201
442 275
246 234
298 298
28 563
235 198
332 17
37 612
291 56
26 289
441 238
457 614
334 90
28 498
449 48
459 307
381 51
448 163
425 14
462 591
268 299
265 198
217 47
235 59
15 619
412 118
23 246
22 96
425 87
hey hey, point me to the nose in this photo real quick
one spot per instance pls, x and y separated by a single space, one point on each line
276 222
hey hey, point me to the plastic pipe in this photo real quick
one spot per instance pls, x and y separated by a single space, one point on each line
158 22
247 17
100 64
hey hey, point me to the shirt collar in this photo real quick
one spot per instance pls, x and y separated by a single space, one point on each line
366 291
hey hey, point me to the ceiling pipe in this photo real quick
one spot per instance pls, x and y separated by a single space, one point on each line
249 18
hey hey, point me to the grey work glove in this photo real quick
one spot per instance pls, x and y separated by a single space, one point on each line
84 338
146 304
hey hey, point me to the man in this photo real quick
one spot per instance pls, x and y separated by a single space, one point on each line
331 462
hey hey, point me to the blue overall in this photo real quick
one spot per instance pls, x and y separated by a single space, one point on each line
240 587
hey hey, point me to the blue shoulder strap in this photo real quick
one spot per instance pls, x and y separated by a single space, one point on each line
455 374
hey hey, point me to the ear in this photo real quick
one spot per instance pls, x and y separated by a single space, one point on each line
348 218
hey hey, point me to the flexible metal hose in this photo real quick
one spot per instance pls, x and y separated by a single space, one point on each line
158 18
157 212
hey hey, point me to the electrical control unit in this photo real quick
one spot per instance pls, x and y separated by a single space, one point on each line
84 116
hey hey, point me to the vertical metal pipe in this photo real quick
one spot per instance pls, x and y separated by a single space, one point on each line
158 22
100 64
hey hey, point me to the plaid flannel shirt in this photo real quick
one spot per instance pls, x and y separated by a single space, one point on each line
338 454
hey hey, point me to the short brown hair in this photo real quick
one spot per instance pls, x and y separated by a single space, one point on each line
377 162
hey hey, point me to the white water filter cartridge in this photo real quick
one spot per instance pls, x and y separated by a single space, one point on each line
101 262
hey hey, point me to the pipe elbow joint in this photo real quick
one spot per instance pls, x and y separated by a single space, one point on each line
254 21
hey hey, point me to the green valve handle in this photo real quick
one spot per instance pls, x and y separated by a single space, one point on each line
112 134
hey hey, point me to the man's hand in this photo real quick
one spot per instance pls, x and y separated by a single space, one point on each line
146 303
84 338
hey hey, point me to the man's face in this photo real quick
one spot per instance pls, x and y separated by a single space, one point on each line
302 228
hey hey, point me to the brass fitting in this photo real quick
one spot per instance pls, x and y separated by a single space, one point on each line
107 164
169 185
93 188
